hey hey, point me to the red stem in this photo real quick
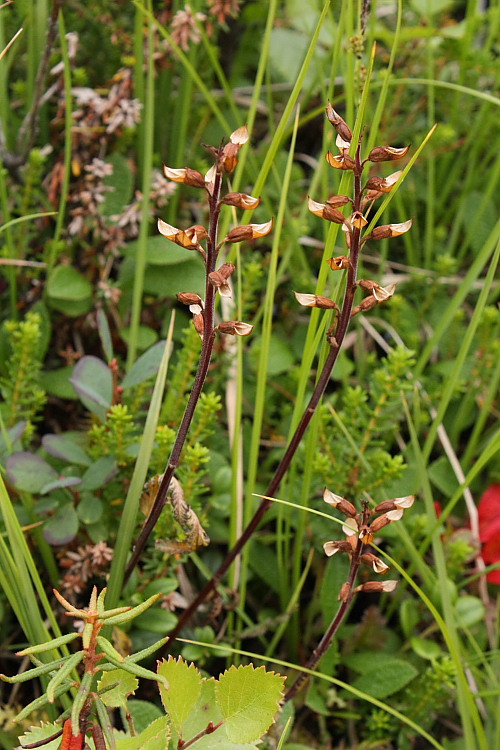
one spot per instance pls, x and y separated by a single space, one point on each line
322 382
194 396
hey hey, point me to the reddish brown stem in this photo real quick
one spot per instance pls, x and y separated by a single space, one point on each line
321 384
194 397
209 729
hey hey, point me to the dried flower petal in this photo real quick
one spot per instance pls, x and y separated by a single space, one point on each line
187 239
382 293
375 562
331 548
404 502
342 161
338 200
395 515
339 263
389 230
387 153
342 144
314 300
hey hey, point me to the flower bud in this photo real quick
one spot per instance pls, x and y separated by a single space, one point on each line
241 200
235 328
345 592
383 184
342 161
249 232
387 153
339 263
314 300
325 211
378 587
186 176
338 123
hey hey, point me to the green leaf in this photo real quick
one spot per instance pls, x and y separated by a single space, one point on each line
93 382
248 699
63 527
145 367
157 621
104 334
89 508
442 476
29 473
155 737
425 648
121 182
387 678
143 713
117 696
100 473
469 610
185 688
57 382
66 283
146 336
205 711
409 616
64 447
36 734
60 483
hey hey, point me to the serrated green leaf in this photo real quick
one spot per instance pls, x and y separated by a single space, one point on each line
155 737
36 734
386 679
185 688
248 699
205 711
117 696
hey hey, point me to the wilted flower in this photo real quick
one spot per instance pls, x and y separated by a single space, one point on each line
185 176
339 263
377 587
387 153
241 200
188 239
249 232
338 123
315 300
341 161
326 211
389 230
235 328
220 278
383 184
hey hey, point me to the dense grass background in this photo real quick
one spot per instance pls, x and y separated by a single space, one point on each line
412 403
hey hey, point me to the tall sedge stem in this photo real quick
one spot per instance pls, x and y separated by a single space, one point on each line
204 362
322 382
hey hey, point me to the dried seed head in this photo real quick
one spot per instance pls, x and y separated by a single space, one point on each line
379 523
190 298
374 587
339 263
387 153
342 161
374 562
199 324
335 201
383 184
241 200
331 548
325 211
249 232
338 123
185 176
314 300
235 328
